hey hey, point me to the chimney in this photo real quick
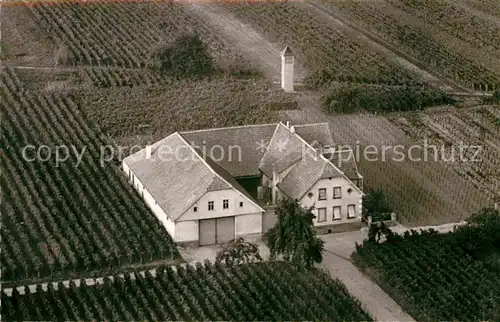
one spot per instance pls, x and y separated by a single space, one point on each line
292 129
287 61
287 124
148 152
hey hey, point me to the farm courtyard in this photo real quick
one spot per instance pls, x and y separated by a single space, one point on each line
422 76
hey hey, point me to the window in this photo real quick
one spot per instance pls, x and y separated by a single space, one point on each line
337 193
351 211
225 204
322 194
210 205
195 209
321 214
336 213
241 204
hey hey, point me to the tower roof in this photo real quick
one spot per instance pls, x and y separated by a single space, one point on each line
287 51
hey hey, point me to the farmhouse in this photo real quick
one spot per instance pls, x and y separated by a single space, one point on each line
209 186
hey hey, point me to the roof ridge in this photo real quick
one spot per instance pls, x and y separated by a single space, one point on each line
227 128
300 137
145 149
212 170
309 124
198 155
269 143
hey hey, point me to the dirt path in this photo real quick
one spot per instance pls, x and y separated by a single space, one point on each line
394 55
452 43
336 260
244 37
374 300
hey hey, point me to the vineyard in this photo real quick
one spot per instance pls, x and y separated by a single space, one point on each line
72 216
422 192
421 36
111 44
95 35
141 114
446 129
271 291
489 6
456 20
433 279
326 53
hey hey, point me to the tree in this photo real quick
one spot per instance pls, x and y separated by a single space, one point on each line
480 235
238 251
293 236
377 230
375 203
187 57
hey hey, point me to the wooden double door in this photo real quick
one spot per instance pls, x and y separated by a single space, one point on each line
216 230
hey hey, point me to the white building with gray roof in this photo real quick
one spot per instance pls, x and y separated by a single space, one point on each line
209 186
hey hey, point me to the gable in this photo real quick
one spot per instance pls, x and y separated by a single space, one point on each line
284 150
232 195
344 183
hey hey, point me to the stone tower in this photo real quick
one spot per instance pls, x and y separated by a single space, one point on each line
287 61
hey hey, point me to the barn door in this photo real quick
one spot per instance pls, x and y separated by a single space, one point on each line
225 229
207 232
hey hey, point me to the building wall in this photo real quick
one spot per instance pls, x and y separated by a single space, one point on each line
269 218
355 197
277 178
186 231
234 197
149 200
248 220
287 63
250 224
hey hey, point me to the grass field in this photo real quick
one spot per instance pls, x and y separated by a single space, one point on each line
433 279
71 216
251 292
